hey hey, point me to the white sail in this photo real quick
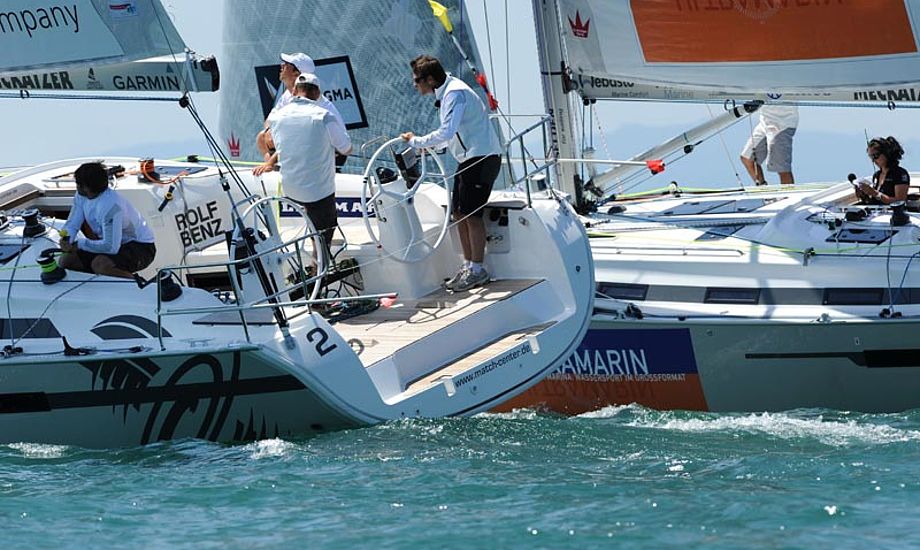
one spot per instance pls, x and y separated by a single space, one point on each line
362 50
53 34
844 50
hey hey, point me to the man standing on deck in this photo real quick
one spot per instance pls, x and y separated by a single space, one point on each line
292 66
468 132
307 137
771 140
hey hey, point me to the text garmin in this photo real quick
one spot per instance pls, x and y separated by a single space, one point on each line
147 83
40 19
200 224
41 81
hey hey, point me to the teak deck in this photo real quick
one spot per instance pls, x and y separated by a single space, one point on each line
387 330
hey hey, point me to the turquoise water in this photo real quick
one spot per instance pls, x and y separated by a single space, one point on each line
627 476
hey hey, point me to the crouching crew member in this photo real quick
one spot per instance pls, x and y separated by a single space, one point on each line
115 238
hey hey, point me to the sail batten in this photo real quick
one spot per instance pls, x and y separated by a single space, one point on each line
700 49
53 34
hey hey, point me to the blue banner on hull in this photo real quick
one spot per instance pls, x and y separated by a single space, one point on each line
347 207
636 352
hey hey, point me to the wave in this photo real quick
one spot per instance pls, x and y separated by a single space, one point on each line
828 427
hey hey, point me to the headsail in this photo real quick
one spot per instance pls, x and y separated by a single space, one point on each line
52 34
840 50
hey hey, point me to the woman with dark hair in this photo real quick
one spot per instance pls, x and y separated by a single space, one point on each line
890 182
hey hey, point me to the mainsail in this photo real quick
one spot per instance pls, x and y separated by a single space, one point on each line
808 50
362 49
38 35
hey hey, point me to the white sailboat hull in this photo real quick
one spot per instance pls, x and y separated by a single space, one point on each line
778 315
99 362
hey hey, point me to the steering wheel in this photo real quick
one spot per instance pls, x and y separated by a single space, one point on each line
263 217
407 252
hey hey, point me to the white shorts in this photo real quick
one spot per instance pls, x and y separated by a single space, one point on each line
776 149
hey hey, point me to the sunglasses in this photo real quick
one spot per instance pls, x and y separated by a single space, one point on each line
874 156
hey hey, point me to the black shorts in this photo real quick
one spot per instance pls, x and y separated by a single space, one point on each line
324 215
473 184
132 256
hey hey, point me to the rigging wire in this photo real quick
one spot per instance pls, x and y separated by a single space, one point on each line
9 290
507 60
485 10
603 138
169 45
754 150
728 156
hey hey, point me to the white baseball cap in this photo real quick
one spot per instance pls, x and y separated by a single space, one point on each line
302 61
307 78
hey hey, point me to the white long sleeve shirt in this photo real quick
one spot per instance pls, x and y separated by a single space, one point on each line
111 218
465 126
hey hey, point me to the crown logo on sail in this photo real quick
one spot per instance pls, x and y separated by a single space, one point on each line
234 145
580 29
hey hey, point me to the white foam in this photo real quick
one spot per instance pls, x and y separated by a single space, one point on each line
832 432
515 414
612 411
39 450
269 448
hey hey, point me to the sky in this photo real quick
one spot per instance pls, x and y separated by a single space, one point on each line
829 143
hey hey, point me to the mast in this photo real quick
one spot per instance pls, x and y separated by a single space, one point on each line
553 75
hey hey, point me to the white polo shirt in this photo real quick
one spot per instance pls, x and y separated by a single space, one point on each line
323 102
306 136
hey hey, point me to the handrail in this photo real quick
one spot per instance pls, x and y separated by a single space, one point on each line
296 303
231 266
261 302
543 120
524 158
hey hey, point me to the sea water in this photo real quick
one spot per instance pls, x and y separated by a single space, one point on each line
624 476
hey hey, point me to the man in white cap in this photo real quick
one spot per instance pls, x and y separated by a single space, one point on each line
292 66
307 136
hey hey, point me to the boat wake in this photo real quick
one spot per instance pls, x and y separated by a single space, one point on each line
823 426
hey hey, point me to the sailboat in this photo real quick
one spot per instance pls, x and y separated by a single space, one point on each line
743 300
755 300
97 361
